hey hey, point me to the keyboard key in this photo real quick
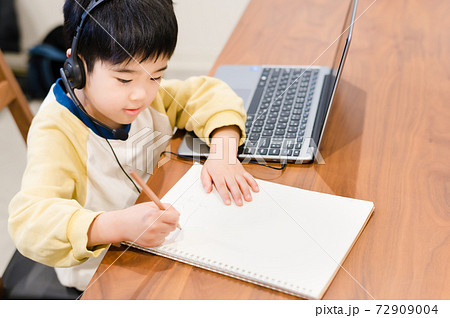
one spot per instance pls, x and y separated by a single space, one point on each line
257 129
249 151
285 152
291 135
276 104
264 143
262 152
273 114
274 152
275 108
290 143
276 144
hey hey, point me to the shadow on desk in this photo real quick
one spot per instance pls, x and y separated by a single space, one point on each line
341 142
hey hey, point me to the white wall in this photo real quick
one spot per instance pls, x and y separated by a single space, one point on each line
204 28
37 18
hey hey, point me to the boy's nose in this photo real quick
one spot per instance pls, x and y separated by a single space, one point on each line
139 94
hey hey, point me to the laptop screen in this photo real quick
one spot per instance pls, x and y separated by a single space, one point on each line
344 40
332 80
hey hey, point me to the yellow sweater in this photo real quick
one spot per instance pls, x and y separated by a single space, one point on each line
72 175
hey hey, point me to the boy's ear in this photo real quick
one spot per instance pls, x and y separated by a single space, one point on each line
69 52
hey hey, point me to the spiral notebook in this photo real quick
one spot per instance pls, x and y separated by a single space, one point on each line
287 239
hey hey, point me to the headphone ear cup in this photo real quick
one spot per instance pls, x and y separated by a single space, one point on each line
74 71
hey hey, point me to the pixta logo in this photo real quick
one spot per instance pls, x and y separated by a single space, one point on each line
144 148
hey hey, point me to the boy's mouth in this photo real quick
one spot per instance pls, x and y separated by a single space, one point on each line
133 111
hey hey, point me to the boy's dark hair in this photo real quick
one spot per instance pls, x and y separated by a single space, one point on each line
144 29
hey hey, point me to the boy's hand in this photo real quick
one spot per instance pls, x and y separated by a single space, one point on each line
147 225
224 169
144 224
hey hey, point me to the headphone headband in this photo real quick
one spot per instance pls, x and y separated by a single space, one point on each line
87 12
74 67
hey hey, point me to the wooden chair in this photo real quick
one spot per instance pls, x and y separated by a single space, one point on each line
11 95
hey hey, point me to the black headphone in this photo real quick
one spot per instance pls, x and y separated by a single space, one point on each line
74 77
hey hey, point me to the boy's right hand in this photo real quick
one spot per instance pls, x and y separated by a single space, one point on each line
144 224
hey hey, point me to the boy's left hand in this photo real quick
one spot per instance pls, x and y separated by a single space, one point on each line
223 169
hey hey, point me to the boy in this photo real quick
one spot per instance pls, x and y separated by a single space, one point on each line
75 163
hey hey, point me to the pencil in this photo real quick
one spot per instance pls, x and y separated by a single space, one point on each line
148 191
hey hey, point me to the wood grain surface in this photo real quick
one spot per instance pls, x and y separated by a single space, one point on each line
387 141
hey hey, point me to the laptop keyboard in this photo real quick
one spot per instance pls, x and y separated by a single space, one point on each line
278 112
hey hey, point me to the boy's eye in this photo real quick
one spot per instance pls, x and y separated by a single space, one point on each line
156 78
124 81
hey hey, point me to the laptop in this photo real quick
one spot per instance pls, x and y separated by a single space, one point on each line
287 106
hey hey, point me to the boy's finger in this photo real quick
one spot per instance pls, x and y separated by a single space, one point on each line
168 227
251 181
235 190
221 187
206 180
166 206
170 215
245 189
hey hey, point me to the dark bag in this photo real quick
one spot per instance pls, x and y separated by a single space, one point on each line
44 63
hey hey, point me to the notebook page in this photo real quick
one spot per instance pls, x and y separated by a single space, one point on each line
286 238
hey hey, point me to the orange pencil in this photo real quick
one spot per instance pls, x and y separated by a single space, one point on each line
148 191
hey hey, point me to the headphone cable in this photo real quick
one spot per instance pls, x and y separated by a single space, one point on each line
115 156
120 165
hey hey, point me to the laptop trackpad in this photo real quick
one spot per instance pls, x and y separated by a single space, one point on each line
244 94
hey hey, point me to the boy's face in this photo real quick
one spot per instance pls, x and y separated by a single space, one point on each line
117 94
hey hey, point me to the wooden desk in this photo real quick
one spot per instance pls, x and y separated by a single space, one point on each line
387 141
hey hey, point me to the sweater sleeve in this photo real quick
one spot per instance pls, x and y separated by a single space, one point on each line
201 104
47 221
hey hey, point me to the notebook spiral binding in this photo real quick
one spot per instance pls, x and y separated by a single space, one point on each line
224 269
